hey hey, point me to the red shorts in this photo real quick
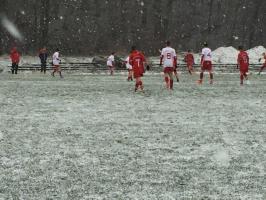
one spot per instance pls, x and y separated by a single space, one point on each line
243 69
190 64
57 68
168 70
207 65
138 72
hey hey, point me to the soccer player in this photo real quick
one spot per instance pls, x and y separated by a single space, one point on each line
169 62
264 65
111 63
15 58
130 70
243 63
206 63
189 59
137 61
43 58
56 63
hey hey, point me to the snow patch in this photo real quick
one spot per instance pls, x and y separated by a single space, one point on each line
225 55
222 158
256 53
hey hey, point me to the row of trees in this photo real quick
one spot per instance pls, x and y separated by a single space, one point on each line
101 26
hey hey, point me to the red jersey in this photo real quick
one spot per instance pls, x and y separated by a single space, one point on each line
137 60
243 60
189 58
14 56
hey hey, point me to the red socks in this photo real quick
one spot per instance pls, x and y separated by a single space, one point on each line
201 75
171 84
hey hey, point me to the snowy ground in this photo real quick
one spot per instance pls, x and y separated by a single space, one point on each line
92 137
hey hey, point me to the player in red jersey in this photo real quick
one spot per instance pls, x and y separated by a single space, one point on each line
137 61
169 62
189 59
264 65
15 58
206 63
243 64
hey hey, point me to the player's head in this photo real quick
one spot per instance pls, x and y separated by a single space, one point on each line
264 54
113 53
168 43
133 48
205 44
240 48
189 51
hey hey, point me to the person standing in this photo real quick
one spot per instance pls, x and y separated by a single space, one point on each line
137 61
189 59
15 58
130 70
243 63
111 63
206 63
169 61
264 65
56 63
43 55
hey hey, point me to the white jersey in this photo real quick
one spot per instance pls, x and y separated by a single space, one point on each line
207 54
56 59
110 60
128 66
169 55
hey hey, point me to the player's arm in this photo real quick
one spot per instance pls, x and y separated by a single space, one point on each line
161 60
238 61
175 61
201 60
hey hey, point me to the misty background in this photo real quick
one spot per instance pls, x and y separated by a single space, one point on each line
89 27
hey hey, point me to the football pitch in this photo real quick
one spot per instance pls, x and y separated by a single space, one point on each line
92 137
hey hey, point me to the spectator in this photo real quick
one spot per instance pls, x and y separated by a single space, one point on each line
43 58
15 58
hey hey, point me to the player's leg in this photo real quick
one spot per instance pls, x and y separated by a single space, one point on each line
211 76
201 76
45 67
262 68
16 68
111 69
59 71
171 84
166 79
176 75
131 74
13 68
241 78
189 69
54 70
139 83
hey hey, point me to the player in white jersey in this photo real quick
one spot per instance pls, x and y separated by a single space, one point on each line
206 63
111 63
130 70
169 62
56 63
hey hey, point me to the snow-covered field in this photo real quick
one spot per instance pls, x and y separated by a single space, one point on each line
92 137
